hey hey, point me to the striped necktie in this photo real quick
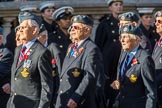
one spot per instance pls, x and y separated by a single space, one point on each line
21 56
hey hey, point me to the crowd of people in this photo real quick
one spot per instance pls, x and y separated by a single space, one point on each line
55 64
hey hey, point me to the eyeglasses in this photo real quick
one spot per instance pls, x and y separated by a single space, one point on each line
75 27
158 21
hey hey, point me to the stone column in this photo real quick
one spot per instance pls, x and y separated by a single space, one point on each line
7 26
96 22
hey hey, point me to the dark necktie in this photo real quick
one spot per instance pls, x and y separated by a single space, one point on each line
125 65
21 56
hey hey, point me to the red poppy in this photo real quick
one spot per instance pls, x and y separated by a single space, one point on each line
25 57
53 61
134 61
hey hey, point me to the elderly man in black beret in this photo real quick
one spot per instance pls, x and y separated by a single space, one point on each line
81 67
136 73
31 78
157 55
131 18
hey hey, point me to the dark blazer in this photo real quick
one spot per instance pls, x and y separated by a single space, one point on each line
138 85
34 90
107 38
6 59
57 60
79 75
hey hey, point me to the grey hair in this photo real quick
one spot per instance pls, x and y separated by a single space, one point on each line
33 23
134 37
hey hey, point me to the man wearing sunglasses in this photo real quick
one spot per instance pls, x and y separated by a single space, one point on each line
157 56
81 66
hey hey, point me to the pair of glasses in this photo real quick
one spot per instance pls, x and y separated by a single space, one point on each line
74 28
158 21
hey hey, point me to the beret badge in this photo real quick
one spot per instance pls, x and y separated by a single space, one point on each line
158 13
125 29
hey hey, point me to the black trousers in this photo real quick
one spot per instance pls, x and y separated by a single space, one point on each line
3 100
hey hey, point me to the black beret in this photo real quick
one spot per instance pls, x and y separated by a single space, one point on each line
129 16
158 14
28 15
84 19
131 29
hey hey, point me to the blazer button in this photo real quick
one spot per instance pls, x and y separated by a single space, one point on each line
114 40
59 37
60 80
15 94
61 91
61 46
66 80
15 79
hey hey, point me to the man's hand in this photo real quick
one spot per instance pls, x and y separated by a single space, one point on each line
6 88
115 85
72 103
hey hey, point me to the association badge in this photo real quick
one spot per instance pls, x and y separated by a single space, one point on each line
25 73
133 78
76 73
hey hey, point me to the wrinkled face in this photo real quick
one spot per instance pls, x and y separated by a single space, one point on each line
158 24
27 32
146 20
116 7
78 32
128 43
47 14
64 23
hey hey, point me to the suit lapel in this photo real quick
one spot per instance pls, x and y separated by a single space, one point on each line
31 51
69 60
17 53
137 55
